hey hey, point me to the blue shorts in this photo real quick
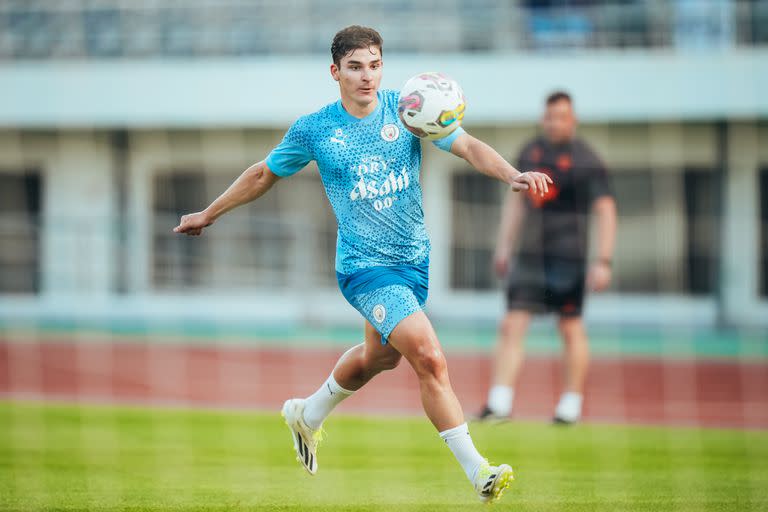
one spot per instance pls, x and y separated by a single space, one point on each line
386 295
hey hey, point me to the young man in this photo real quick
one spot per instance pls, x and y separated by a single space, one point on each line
369 164
549 272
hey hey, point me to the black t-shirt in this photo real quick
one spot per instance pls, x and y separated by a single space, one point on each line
556 225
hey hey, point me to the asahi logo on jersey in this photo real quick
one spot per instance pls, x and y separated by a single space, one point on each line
390 132
378 182
369 189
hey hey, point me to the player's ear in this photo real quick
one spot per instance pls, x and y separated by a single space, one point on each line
335 71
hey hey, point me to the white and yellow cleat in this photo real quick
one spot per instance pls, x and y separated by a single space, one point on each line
305 439
492 481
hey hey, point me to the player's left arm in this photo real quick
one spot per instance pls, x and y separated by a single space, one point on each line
485 159
600 272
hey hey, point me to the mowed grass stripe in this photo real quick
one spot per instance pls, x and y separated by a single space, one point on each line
67 457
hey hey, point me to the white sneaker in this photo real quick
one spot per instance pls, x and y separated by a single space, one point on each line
492 481
568 409
305 439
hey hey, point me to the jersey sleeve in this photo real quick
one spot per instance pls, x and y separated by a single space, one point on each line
292 154
446 142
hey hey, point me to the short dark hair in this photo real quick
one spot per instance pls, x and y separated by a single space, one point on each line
559 96
352 38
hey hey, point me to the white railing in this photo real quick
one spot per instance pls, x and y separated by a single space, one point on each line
41 29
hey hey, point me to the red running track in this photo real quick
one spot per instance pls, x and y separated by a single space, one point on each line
711 393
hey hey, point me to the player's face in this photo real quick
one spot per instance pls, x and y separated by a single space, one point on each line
559 122
359 75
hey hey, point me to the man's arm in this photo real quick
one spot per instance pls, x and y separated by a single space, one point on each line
599 277
485 159
512 215
250 185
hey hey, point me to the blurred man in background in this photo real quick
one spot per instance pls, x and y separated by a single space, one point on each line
549 271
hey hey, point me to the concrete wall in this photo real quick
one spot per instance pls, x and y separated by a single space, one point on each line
80 245
611 86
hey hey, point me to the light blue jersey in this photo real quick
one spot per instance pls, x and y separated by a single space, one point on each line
370 170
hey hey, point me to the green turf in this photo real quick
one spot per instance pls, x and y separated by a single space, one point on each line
57 457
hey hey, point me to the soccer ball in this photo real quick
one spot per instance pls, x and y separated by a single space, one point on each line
431 105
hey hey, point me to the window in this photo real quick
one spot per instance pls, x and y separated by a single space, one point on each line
179 261
20 195
667 235
702 208
635 265
476 209
287 238
764 232
650 238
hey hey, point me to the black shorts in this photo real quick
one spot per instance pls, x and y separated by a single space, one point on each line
547 285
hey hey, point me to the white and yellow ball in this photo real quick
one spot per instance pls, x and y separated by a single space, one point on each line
431 105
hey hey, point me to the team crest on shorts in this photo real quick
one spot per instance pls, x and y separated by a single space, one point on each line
379 313
390 132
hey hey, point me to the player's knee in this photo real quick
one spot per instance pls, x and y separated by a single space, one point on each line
571 329
506 327
430 362
566 323
509 329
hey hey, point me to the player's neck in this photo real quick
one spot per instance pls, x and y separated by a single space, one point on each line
357 110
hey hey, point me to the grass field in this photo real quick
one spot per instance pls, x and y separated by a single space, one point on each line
59 457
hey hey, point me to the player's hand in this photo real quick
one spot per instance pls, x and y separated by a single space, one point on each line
536 182
599 276
501 266
193 224
501 262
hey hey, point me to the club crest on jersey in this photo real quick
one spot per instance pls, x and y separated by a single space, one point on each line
390 132
379 313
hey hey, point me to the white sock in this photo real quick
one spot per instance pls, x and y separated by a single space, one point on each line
569 407
460 443
319 405
500 400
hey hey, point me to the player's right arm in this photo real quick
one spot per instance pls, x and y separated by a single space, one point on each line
287 158
512 215
251 184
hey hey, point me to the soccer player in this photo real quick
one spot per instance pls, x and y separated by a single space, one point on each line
369 164
548 274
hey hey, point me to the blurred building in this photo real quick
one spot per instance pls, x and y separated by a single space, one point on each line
117 117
